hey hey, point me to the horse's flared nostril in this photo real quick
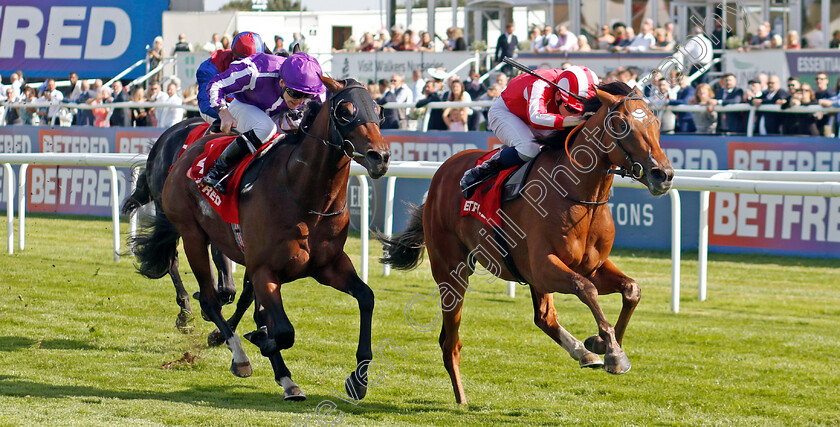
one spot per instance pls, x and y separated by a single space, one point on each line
386 157
374 156
659 175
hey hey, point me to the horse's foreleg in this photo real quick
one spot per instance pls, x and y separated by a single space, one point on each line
555 276
282 374
545 317
195 247
225 288
342 276
216 338
608 279
185 317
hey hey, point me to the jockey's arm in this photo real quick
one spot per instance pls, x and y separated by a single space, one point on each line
236 79
539 95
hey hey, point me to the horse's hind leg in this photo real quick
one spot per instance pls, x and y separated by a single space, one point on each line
184 322
216 338
552 275
341 275
195 246
608 279
226 288
453 282
545 317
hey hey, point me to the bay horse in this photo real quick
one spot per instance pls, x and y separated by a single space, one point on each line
559 233
149 189
294 224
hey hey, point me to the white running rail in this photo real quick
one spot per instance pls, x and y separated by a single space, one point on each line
825 184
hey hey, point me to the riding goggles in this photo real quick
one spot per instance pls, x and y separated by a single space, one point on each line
296 94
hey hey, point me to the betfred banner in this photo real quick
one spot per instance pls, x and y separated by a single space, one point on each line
83 190
95 38
779 223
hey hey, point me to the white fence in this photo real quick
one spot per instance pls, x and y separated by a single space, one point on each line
757 182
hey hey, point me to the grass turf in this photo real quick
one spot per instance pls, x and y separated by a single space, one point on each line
87 341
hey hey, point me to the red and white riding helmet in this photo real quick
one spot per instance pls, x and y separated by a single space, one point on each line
580 81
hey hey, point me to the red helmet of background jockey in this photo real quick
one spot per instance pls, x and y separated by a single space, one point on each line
247 43
580 81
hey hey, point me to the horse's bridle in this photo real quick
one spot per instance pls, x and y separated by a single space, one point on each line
636 169
341 126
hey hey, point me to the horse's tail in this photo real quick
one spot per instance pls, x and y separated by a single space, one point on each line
139 197
155 247
405 251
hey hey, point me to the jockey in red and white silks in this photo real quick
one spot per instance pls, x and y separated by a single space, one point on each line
531 107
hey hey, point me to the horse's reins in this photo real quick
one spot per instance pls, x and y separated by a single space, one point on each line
636 169
339 129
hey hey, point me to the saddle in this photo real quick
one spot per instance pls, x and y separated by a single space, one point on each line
486 203
241 177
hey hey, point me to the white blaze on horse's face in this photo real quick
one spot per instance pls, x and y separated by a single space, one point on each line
640 115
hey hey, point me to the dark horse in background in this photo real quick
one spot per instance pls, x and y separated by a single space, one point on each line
294 224
149 189
561 244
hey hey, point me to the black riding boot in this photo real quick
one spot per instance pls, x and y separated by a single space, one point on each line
505 158
234 152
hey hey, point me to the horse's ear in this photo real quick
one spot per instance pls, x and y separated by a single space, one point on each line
638 92
333 86
606 97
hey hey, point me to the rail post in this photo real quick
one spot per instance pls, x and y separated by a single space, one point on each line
115 210
676 244
22 205
9 192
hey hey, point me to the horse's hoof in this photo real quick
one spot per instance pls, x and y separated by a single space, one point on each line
241 370
215 338
226 298
591 360
595 344
294 394
354 388
184 322
616 364
268 347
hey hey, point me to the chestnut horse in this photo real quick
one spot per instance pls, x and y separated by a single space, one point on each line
294 224
559 234
149 189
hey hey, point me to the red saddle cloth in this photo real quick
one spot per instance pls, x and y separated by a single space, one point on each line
194 136
487 199
226 205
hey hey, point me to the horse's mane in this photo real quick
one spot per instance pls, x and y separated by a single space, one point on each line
592 104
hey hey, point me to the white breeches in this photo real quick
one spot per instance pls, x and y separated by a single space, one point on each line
512 131
249 117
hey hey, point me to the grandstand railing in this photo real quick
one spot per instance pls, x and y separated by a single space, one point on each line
761 182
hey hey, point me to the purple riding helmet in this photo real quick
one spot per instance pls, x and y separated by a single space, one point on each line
302 72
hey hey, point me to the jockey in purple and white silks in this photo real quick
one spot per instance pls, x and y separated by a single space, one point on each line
268 91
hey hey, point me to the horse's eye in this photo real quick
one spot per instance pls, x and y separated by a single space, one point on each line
381 112
345 112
